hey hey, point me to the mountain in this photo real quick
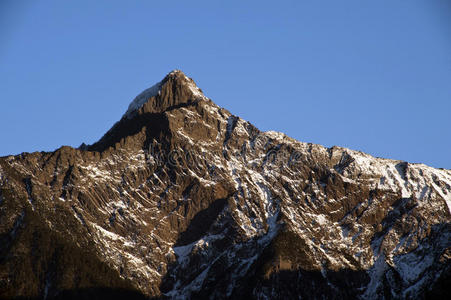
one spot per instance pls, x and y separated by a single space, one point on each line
181 199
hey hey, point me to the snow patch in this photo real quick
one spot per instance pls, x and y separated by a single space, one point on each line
446 197
106 233
376 274
411 265
275 135
183 252
142 98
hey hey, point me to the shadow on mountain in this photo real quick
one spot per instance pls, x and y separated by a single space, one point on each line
304 284
53 265
399 208
200 223
282 271
94 294
156 124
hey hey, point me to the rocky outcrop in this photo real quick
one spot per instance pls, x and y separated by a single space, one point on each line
181 199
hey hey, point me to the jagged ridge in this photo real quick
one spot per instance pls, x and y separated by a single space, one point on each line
182 199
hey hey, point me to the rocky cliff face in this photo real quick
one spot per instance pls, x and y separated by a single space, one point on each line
181 199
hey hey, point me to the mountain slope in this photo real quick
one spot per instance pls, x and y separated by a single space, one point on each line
181 199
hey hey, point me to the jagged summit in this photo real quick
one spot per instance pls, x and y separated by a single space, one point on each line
175 88
142 98
147 110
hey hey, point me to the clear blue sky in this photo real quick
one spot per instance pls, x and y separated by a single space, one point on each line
373 76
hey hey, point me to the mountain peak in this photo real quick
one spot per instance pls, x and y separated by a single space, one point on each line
175 88
176 72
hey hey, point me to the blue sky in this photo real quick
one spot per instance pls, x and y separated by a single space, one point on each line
373 76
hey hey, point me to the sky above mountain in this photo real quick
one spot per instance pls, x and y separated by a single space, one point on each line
373 76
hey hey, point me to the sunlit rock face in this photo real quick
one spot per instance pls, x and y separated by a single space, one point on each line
182 199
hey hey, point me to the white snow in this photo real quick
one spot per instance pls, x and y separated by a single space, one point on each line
106 233
142 98
411 266
446 197
321 219
185 137
376 273
182 252
240 129
31 203
155 90
448 202
192 86
275 135
195 90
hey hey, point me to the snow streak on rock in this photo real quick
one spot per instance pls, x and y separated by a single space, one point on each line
197 203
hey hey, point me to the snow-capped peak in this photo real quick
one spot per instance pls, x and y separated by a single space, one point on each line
155 90
142 98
